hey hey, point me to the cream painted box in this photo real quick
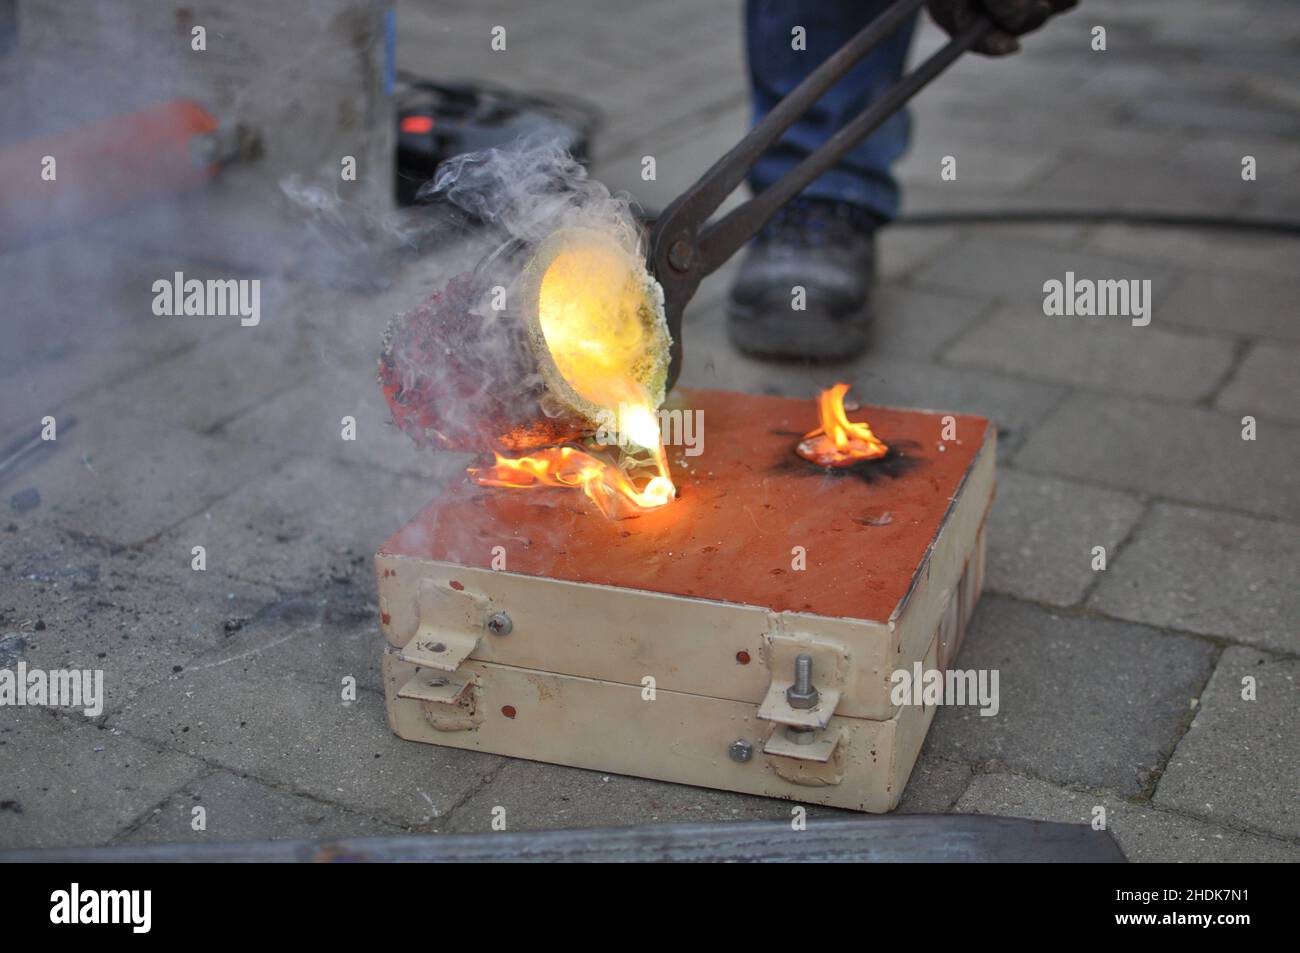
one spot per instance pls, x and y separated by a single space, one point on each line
524 623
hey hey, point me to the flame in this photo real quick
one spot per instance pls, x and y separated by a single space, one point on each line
839 442
605 484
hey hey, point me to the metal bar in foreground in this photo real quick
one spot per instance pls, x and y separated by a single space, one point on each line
917 838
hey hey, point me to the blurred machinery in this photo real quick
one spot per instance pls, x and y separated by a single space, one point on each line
439 120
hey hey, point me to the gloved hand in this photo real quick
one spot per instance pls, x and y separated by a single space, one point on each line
1011 18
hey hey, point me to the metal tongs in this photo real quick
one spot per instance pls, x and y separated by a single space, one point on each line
685 246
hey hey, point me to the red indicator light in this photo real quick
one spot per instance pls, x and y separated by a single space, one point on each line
417 124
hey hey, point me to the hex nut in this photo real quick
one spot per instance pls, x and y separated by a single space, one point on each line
740 750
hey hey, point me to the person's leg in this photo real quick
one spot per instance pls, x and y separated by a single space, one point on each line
804 288
863 177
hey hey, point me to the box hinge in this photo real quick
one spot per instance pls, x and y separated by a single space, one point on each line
808 676
452 621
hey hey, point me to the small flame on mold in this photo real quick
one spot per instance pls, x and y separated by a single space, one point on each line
839 442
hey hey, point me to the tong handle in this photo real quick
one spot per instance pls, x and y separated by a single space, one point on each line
702 199
683 249
719 241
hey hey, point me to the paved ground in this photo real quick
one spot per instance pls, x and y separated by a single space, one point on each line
1121 688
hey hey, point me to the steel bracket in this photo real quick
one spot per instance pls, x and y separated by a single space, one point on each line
451 623
819 749
830 666
435 688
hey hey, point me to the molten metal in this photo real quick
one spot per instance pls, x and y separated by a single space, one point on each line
606 485
839 442
603 351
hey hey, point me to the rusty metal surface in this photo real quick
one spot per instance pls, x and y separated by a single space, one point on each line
940 838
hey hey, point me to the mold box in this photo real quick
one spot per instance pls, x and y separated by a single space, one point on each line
663 645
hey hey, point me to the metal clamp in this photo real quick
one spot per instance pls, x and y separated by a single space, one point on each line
807 683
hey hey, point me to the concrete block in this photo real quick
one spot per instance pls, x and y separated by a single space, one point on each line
1082 701
1239 764
1203 571
1182 453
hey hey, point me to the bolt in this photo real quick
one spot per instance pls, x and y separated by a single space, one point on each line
500 624
438 682
740 750
679 254
438 647
802 694
801 735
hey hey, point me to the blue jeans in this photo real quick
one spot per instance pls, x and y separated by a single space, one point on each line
863 176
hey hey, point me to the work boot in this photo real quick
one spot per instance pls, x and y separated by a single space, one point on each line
826 248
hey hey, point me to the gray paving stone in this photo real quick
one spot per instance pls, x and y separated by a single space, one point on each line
82 363
243 809
1082 701
313 520
1164 450
1098 353
1042 532
1144 834
917 323
539 796
1266 384
1017 271
901 249
82 295
211 383
1218 117
1274 158
1278 206
320 638
309 421
78 606
1137 183
254 719
76 786
1058 234
1233 303
1265 255
1217 573
1099 142
980 167
681 156
935 785
124 479
1132 77
1239 763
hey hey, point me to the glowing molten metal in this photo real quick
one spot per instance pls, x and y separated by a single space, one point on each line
839 442
605 484
600 317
